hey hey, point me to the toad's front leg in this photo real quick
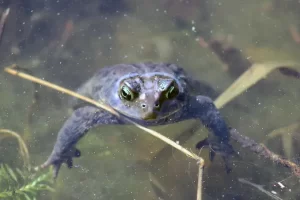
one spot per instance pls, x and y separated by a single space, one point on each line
203 108
80 122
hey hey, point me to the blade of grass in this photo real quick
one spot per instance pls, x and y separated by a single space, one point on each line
22 146
287 135
292 128
254 74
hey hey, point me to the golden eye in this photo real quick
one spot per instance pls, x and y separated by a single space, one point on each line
126 93
172 92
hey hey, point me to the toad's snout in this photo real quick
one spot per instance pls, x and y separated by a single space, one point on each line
150 110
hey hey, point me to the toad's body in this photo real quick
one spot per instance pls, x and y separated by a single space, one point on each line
148 93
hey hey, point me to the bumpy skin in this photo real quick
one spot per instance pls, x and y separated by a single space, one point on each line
148 80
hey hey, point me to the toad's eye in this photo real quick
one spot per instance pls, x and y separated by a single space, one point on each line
172 92
126 93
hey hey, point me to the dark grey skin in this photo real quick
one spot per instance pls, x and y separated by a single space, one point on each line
148 93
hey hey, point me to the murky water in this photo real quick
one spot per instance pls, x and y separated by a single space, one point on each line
66 42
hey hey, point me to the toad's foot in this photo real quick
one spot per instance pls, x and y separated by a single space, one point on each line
56 161
225 150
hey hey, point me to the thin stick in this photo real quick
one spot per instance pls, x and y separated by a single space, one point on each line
200 176
12 71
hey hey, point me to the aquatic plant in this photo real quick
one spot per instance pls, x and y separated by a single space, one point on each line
18 185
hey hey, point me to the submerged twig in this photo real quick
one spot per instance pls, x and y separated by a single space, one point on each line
260 188
231 56
262 150
2 22
289 72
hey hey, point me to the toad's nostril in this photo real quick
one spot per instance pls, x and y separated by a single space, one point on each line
143 105
156 105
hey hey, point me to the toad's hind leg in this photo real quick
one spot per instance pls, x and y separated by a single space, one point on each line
80 122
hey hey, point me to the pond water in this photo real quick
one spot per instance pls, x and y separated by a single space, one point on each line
67 41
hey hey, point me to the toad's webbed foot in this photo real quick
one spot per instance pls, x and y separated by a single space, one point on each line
57 160
203 108
216 148
79 123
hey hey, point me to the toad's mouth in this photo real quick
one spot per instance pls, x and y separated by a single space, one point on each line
150 116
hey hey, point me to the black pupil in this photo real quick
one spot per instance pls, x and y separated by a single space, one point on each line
173 91
126 94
